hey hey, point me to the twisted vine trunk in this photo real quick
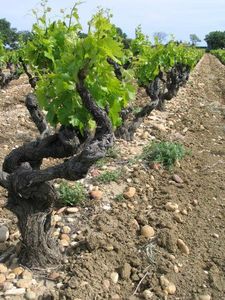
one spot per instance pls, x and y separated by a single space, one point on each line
163 88
31 196
34 213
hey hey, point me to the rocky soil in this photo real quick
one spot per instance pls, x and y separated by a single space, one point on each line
152 234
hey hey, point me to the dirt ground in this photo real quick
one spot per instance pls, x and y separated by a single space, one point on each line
108 257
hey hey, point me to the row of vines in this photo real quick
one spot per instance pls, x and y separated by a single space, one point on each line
86 84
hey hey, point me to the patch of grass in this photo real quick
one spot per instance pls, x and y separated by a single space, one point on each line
111 153
165 153
108 176
71 195
119 197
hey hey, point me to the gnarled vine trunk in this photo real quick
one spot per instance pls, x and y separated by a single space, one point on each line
31 196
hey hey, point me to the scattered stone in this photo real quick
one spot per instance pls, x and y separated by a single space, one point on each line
72 210
155 166
65 237
147 231
204 297
24 283
178 218
30 295
177 178
147 294
4 234
115 297
57 218
15 291
130 192
54 275
10 276
2 278
109 247
3 268
59 285
167 286
159 127
96 194
170 289
64 243
126 271
195 202
66 229
17 271
171 206
106 284
27 275
7 286
61 210
176 270
114 277
215 235
183 247
145 135
184 212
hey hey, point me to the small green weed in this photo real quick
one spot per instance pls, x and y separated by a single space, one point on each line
71 195
111 153
165 153
108 176
119 197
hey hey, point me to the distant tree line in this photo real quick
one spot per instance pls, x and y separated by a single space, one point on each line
10 36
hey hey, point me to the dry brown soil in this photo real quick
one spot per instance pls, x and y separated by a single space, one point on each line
107 232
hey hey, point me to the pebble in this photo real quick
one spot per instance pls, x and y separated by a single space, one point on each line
10 276
176 269
15 291
147 231
7 286
57 218
130 192
17 271
178 218
24 283
168 287
65 237
59 285
147 294
204 297
126 271
4 234
182 246
114 277
159 127
72 210
54 275
106 283
3 268
64 243
66 229
96 194
184 212
171 206
195 202
115 297
27 274
2 278
30 295
177 178
70 220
